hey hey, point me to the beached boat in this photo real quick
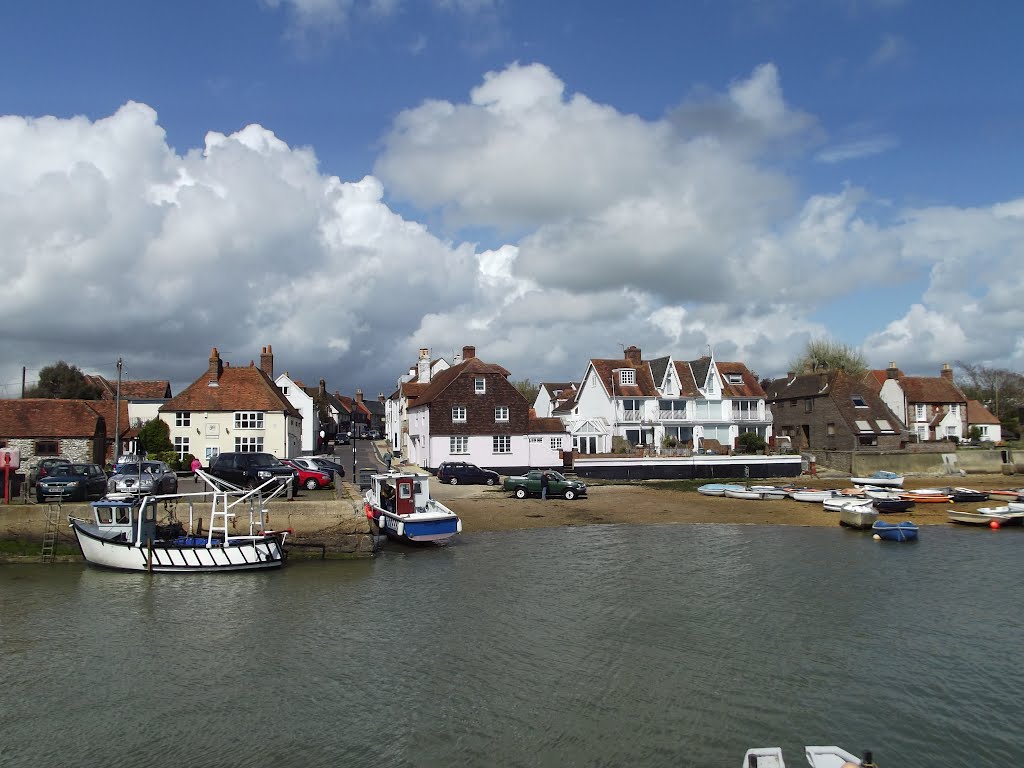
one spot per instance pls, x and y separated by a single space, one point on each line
880 478
889 506
125 534
400 505
717 489
966 495
811 494
1016 494
817 757
756 492
861 516
927 496
963 517
905 531
839 503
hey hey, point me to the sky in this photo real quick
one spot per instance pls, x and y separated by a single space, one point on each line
350 181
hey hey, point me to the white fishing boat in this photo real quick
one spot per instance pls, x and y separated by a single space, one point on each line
400 505
880 478
127 534
811 494
859 516
839 503
817 757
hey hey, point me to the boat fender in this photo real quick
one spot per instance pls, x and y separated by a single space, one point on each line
367 511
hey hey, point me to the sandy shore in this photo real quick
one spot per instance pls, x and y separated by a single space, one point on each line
490 509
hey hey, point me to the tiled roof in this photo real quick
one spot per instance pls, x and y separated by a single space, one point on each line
238 389
156 389
750 386
413 389
931 389
606 372
43 417
687 384
842 389
547 424
444 378
979 414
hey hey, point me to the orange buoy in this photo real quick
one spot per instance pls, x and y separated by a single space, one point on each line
994 525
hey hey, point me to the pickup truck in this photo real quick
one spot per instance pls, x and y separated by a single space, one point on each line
558 485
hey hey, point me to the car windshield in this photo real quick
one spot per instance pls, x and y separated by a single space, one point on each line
79 469
265 460
133 469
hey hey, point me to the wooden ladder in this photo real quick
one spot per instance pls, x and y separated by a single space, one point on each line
53 517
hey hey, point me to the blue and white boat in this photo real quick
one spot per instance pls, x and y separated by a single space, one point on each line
905 531
718 489
400 505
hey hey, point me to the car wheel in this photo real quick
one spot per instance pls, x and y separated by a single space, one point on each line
311 484
570 494
453 481
520 493
489 481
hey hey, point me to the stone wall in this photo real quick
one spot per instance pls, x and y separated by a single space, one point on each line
927 459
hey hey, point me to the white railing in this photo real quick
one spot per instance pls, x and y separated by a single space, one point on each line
673 415
631 415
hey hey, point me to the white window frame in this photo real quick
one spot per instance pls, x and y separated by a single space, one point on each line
249 444
458 414
919 412
212 451
627 377
248 420
501 413
954 409
458 444
182 418
181 447
555 443
501 444
480 385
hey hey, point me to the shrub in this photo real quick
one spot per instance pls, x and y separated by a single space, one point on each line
621 445
750 442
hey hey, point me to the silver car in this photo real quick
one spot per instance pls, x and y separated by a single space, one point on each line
145 478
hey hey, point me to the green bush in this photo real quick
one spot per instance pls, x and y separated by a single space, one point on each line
750 442
669 441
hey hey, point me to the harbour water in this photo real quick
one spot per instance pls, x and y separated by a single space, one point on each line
592 646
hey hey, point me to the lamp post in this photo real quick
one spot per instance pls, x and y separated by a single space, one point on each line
355 478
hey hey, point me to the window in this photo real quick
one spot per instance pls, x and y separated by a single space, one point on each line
459 413
479 385
249 420
734 378
627 376
954 409
181 447
950 431
555 443
884 425
502 444
808 405
744 410
863 426
501 413
46 448
858 401
249 444
212 451
919 412
831 429
458 444
284 391
182 419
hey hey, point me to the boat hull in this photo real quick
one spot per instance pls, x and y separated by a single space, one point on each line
861 518
418 529
905 531
251 553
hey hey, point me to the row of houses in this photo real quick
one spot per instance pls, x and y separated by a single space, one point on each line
227 408
469 411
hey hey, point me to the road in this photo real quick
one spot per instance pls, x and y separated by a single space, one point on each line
359 454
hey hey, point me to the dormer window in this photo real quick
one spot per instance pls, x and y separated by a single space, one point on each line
627 377
734 378
479 385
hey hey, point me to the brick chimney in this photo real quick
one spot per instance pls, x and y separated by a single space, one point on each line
323 388
359 395
468 353
946 372
892 372
633 355
216 368
267 361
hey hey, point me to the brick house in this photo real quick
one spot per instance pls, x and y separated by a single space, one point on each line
233 409
931 407
472 412
830 410
41 428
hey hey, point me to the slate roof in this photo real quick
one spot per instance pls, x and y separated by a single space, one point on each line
238 389
444 378
48 418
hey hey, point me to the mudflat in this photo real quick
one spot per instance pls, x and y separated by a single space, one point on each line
492 509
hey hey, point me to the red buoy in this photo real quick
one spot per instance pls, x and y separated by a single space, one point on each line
994 525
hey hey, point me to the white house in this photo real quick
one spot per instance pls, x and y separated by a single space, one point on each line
303 402
410 385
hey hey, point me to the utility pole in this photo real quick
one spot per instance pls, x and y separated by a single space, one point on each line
117 414
23 382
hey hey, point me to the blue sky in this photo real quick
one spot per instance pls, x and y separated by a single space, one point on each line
545 181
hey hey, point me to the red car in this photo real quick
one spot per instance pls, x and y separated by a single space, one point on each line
310 479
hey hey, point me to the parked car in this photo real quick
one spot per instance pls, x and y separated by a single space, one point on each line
249 470
455 472
44 468
558 485
328 464
341 439
309 478
374 434
144 478
72 482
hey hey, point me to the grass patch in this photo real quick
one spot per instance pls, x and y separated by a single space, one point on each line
32 548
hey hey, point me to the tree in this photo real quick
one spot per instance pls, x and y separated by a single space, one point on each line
527 389
830 355
155 437
998 389
63 382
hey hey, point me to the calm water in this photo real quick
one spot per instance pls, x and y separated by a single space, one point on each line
596 646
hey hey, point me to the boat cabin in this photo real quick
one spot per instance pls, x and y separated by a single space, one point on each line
400 493
125 520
